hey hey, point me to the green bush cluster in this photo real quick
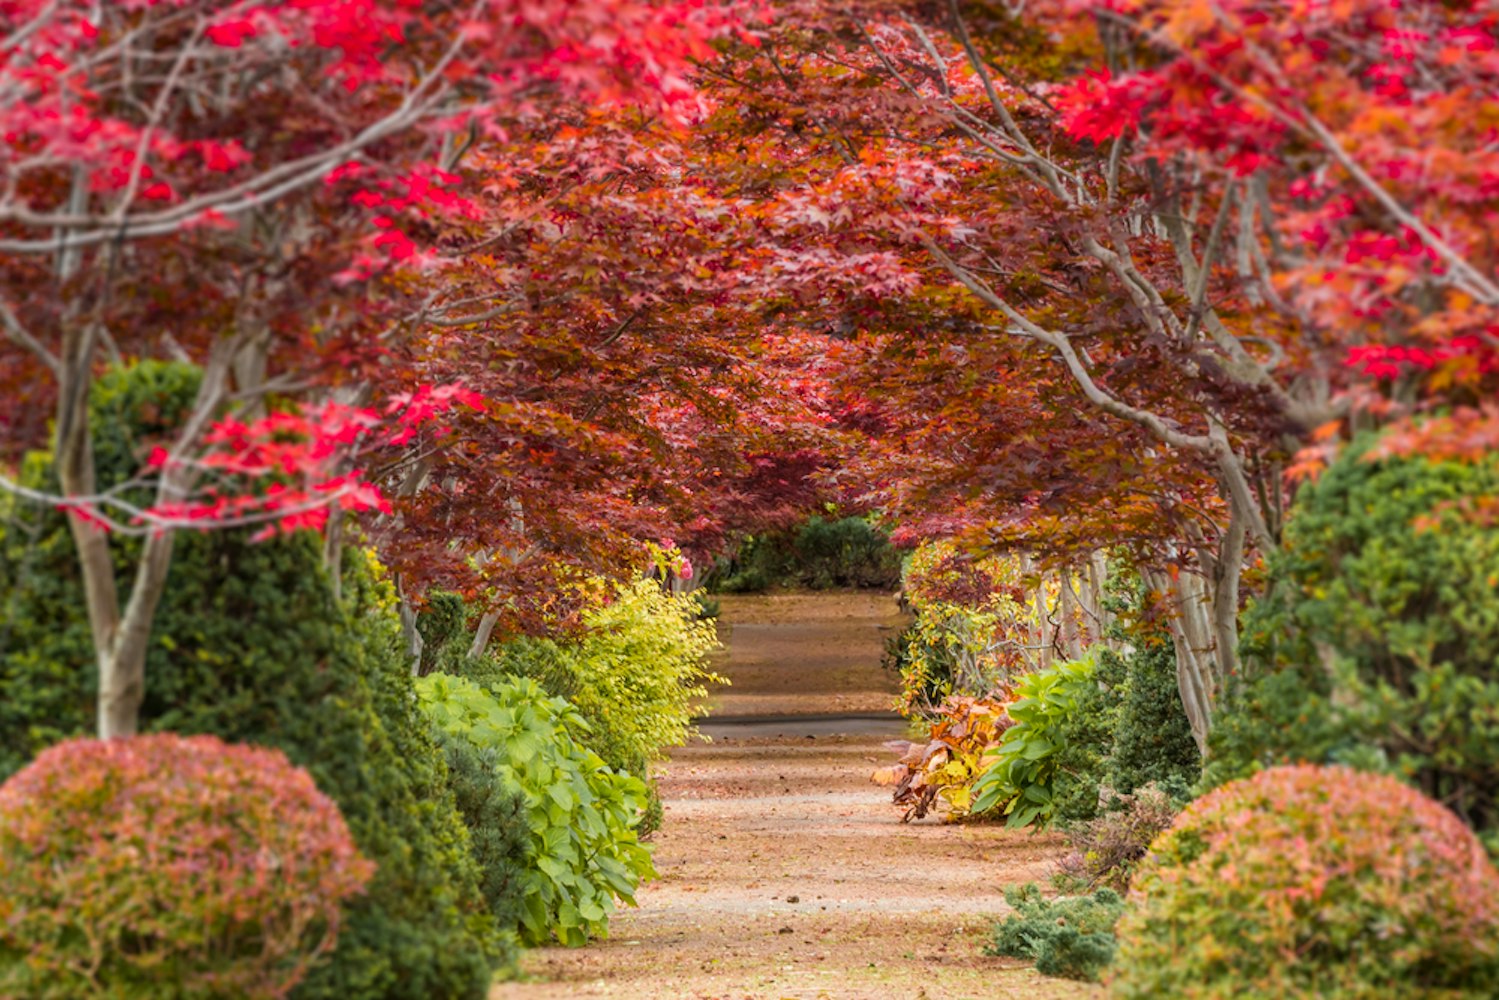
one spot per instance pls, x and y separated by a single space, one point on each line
1054 726
251 644
1377 642
168 867
1312 882
636 673
495 815
822 554
1067 937
582 851
1088 732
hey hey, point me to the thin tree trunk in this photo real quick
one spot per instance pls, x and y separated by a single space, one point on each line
1067 612
482 634
121 635
1039 640
1192 640
413 636
122 671
1098 574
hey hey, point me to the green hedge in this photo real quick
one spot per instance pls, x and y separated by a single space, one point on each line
822 554
579 843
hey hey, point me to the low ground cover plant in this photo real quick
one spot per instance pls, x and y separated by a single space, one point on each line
1316 882
1071 937
170 867
582 850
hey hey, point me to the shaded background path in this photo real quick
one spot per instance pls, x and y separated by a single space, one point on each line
785 872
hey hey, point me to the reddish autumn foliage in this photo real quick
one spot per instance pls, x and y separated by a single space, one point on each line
254 230
263 189
1313 881
179 865
1360 135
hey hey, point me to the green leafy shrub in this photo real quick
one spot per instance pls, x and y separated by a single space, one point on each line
1105 850
1383 609
1052 749
1067 937
252 644
708 606
635 674
1316 882
946 651
172 867
583 850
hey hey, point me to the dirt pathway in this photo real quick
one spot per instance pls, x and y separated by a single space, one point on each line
785 873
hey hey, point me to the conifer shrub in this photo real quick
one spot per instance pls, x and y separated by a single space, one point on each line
1150 741
1377 643
168 867
1070 937
495 816
1312 881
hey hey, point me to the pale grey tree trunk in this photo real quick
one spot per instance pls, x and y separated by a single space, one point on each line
481 635
121 634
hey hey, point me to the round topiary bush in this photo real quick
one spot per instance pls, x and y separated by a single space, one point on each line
168 867
1312 882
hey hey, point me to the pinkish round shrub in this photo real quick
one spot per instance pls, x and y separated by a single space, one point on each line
168 867
1312 882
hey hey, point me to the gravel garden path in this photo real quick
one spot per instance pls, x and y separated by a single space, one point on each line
784 872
